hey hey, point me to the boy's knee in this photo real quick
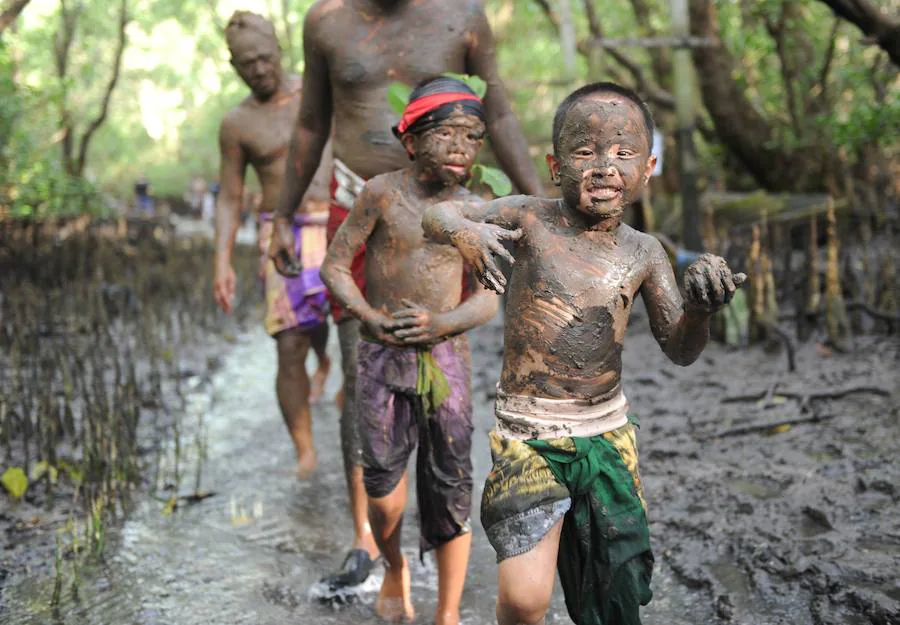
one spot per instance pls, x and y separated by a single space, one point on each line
292 349
521 606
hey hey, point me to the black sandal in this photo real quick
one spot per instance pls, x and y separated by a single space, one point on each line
354 571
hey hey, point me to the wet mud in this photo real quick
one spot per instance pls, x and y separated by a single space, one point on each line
753 522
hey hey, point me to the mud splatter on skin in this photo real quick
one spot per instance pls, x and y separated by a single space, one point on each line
578 268
413 286
604 156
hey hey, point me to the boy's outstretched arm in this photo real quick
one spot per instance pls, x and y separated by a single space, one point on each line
476 229
417 325
682 327
335 270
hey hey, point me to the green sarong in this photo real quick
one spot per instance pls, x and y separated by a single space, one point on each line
605 561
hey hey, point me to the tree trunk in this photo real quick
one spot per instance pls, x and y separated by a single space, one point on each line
746 133
110 87
876 25
11 12
61 45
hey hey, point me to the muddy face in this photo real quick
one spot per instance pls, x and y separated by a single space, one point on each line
446 152
257 60
603 159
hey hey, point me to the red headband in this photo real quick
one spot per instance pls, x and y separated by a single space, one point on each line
424 105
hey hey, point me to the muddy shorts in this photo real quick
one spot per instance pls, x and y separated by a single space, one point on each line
299 302
393 421
522 499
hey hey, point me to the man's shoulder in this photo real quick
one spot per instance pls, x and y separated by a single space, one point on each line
322 8
235 119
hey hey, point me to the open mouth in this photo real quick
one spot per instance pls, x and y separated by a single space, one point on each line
602 194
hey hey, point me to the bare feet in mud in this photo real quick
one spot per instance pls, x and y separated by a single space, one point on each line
306 465
394 603
317 383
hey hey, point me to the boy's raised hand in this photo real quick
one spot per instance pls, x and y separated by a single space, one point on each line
416 325
478 243
709 284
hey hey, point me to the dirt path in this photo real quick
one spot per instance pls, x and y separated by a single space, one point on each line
797 527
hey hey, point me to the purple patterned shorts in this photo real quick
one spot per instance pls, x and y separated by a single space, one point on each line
392 422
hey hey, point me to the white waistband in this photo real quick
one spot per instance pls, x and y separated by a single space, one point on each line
522 417
349 185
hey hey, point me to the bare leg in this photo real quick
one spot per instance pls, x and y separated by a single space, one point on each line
453 560
319 340
292 388
525 582
386 513
348 334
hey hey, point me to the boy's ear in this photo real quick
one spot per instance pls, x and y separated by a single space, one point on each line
409 143
651 165
553 166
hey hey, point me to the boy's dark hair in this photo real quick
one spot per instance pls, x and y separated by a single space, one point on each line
599 87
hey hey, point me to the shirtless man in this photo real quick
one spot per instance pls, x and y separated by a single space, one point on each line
564 489
256 133
414 367
353 50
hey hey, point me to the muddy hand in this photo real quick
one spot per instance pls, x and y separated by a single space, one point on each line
709 284
478 244
379 326
416 325
281 249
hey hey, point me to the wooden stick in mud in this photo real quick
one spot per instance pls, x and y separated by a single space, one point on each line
836 322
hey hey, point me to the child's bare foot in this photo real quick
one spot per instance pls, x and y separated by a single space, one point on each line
306 465
394 603
317 384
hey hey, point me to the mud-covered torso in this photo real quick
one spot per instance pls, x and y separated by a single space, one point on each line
265 133
400 262
366 51
570 295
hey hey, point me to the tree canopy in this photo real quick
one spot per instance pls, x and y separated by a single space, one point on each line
794 95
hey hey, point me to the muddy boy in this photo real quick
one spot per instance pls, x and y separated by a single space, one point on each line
564 491
414 366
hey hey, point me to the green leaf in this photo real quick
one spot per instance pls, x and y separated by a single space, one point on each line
737 319
43 468
398 96
475 83
494 178
15 482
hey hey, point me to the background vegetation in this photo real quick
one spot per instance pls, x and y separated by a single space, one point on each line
799 95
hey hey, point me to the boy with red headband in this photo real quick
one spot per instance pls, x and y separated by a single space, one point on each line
414 366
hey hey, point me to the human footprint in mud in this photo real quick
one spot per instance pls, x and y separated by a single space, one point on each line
564 489
257 132
414 366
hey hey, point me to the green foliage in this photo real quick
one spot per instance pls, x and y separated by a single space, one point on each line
398 96
15 482
177 84
499 183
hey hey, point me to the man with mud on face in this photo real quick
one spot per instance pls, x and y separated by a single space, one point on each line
414 366
564 490
255 133
353 50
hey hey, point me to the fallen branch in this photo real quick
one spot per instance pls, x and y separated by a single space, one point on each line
755 428
880 315
773 328
808 395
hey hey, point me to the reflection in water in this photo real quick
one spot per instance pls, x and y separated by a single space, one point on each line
254 552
